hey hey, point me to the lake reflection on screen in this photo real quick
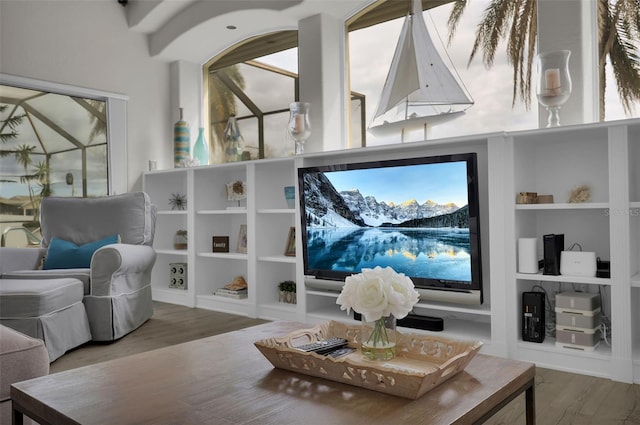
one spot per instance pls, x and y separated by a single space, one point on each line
431 253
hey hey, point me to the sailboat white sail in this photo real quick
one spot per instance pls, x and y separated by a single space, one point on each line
420 90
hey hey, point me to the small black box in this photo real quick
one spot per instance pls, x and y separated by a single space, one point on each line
533 316
603 268
553 246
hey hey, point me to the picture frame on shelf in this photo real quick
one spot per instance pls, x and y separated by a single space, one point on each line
290 248
236 191
242 239
220 244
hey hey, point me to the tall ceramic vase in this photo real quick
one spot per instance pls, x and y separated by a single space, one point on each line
181 141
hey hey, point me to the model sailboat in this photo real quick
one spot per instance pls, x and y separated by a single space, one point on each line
420 90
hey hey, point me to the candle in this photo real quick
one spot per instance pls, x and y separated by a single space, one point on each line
298 123
552 79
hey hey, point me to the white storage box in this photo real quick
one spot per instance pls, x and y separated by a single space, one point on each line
577 321
585 341
577 302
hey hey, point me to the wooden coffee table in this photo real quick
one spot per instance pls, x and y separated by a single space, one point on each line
225 380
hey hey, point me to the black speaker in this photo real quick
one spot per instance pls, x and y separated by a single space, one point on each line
553 246
435 324
533 320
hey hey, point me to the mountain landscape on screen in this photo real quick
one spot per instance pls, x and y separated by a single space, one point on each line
326 207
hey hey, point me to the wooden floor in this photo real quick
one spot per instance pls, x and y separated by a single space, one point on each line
561 398
170 324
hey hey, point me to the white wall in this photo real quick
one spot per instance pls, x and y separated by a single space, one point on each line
88 44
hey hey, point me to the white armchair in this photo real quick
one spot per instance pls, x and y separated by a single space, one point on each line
117 283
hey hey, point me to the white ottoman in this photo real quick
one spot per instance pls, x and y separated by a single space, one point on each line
47 309
21 358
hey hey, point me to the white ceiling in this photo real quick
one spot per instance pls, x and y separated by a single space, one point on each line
196 30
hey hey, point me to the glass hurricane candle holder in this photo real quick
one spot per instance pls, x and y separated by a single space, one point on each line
234 142
299 127
554 83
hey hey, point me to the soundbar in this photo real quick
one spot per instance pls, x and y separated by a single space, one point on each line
415 321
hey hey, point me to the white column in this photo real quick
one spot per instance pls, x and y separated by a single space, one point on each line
186 92
571 25
321 59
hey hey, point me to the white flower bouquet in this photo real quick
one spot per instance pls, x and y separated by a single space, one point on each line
378 294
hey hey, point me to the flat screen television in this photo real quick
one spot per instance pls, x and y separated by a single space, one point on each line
419 216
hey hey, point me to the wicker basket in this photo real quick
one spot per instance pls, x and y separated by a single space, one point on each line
422 362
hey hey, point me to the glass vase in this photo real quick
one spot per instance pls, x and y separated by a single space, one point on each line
234 142
180 240
379 338
299 127
201 148
554 83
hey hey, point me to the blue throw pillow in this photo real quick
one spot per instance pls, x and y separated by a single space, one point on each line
67 255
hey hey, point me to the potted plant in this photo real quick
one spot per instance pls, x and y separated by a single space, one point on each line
287 291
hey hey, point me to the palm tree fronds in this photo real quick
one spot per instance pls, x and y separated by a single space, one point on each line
492 28
630 13
627 74
619 32
516 20
454 18
13 121
531 50
99 122
222 102
5 137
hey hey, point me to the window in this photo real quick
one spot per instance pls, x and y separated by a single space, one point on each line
53 143
372 37
258 92
371 50
259 96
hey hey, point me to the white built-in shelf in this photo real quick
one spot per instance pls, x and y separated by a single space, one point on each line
539 277
564 206
549 345
481 310
224 255
327 313
507 163
172 251
463 329
171 295
277 259
218 298
279 306
222 212
330 294
276 211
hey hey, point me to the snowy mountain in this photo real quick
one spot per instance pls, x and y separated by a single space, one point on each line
326 207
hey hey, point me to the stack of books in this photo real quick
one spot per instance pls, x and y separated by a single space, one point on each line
231 293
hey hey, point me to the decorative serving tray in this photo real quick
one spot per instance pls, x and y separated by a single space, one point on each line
422 362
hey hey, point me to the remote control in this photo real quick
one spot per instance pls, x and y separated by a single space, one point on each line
343 351
324 346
